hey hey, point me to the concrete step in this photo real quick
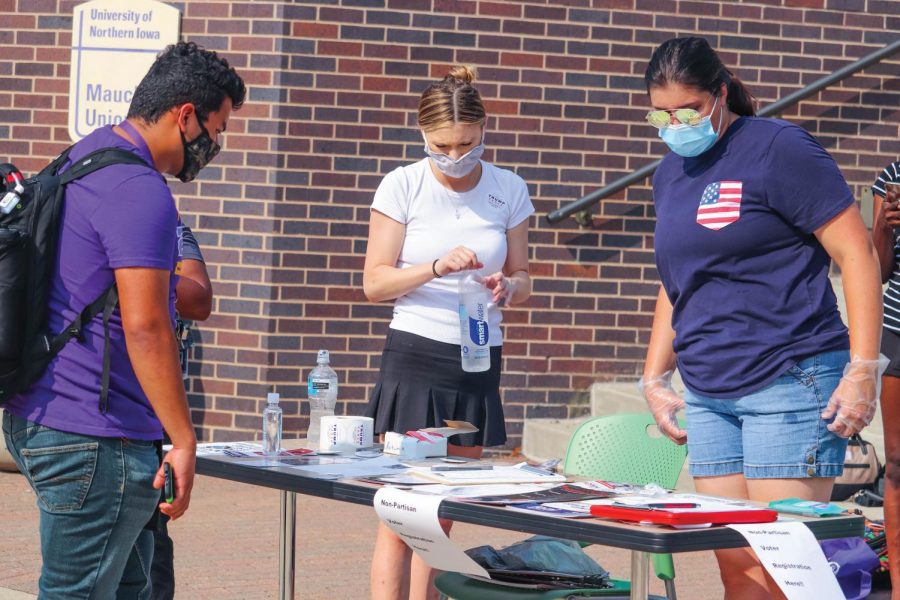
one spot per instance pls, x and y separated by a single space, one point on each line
545 439
623 396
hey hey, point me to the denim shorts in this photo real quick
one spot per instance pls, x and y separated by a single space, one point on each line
773 433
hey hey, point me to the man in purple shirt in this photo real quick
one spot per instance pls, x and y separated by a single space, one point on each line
94 465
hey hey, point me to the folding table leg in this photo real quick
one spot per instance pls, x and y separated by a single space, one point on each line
640 575
287 541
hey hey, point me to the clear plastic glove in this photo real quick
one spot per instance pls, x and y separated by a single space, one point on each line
502 288
654 490
664 403
854 400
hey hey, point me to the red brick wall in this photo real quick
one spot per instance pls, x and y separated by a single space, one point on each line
282 213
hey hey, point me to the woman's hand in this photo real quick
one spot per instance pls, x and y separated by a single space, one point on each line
501 287
853 402
458 259
664 403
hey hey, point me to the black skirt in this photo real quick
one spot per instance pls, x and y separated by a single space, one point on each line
422 384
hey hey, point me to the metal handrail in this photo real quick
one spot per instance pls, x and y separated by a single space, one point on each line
770 109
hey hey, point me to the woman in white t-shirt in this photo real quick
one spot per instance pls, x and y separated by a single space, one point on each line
430 222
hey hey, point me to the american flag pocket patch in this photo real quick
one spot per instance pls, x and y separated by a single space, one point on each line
720 204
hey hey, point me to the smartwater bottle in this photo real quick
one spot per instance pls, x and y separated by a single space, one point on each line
322 390
474 336
272 426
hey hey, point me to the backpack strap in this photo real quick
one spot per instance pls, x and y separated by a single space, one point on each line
56 164
112 299
99 159
105 303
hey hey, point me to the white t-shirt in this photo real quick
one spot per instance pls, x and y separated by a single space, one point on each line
438 220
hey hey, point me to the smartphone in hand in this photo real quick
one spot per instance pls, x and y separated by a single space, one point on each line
892 195
169 485
890 207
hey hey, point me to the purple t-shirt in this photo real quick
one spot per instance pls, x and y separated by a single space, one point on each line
735 250
120 216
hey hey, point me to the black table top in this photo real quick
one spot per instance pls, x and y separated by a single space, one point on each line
595 531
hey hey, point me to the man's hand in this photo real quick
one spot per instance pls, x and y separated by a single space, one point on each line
183 463
891 205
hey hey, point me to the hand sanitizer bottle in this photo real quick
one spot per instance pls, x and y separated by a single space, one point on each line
272 426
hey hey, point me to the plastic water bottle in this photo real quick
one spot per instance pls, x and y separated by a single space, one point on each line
474 335
322 390
272 426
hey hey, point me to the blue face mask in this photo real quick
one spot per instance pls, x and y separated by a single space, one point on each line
689 141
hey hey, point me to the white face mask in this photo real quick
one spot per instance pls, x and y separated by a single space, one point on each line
462 166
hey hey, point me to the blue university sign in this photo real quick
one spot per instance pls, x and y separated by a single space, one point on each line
113 45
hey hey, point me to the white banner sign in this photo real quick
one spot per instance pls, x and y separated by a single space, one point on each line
790 553
414 517
113 45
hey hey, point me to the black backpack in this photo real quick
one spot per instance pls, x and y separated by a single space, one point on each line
29 232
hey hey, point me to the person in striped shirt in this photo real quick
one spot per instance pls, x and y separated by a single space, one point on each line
886 235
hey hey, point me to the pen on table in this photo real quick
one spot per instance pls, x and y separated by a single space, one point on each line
658 505
462 467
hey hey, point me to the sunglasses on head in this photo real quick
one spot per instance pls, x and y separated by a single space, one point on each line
663 118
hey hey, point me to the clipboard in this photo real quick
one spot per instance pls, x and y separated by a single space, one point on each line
683 518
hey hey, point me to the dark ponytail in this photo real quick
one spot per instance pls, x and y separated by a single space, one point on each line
691 61
740 100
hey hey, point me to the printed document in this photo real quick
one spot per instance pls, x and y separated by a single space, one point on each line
792 556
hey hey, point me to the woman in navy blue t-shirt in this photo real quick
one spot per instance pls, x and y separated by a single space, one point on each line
750 212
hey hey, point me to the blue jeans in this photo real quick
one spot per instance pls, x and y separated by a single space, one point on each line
95 496
162 574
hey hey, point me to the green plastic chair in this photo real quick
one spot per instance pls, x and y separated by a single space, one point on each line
601 448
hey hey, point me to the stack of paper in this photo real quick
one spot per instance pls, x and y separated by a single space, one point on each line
476 474
567 492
